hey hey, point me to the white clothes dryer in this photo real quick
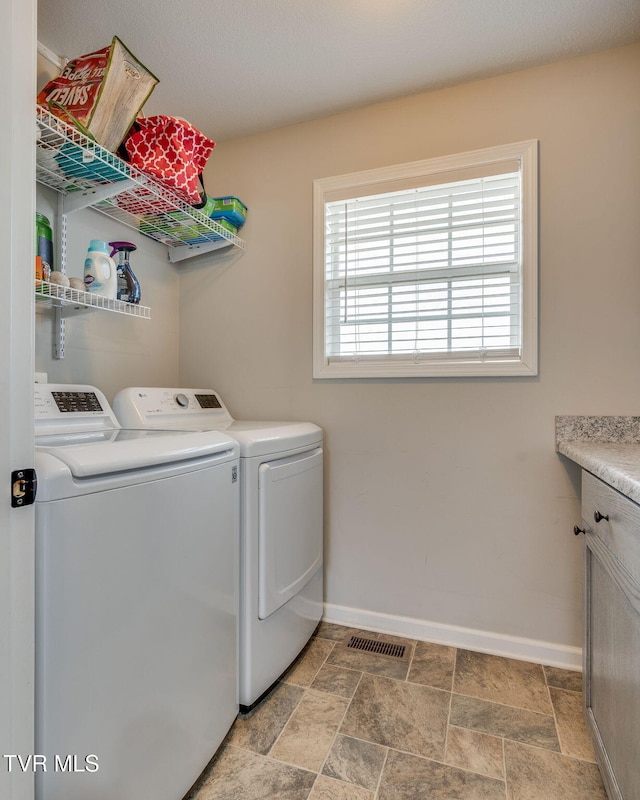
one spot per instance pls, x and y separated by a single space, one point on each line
281 524
136 601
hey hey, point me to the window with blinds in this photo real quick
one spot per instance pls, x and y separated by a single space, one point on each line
425 267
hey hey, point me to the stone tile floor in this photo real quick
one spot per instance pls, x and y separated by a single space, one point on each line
439 723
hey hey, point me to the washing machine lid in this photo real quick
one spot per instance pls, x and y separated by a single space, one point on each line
93 454
203 409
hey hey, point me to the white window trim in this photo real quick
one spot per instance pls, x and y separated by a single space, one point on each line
381 180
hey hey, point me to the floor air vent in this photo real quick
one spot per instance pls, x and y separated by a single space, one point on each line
376 646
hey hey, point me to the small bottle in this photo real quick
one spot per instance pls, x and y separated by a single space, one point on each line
128 285
100 274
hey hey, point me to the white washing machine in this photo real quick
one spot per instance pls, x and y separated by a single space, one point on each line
281 530
136 601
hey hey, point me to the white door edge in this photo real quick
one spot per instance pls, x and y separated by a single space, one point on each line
17 158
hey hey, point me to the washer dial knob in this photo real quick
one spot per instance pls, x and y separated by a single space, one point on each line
182 400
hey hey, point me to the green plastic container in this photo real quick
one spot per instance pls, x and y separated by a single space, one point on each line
44 244
229 208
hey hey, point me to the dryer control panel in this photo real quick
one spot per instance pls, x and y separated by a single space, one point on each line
155 407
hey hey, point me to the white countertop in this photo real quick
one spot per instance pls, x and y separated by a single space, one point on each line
616 463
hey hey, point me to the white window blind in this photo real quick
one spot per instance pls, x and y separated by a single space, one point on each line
426 275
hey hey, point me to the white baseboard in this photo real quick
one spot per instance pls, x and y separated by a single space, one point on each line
497 644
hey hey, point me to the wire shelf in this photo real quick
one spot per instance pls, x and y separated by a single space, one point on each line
87 175
53 294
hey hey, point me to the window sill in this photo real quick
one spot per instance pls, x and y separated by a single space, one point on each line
440 369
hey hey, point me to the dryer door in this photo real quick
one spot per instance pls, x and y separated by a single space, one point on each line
290 528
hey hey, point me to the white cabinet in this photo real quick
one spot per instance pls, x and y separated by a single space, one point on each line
612 634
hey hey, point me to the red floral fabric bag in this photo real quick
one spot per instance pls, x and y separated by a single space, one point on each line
172 151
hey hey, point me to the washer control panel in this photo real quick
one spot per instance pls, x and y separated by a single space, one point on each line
76 402
59 407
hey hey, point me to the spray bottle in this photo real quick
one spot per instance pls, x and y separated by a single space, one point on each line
128 285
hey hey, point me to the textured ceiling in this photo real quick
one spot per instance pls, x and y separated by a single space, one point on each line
235 68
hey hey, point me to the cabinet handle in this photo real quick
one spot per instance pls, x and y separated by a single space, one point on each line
599 517
577 530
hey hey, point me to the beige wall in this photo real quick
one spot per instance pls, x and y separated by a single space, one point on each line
445 499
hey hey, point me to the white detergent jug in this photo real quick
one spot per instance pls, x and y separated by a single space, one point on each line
100 273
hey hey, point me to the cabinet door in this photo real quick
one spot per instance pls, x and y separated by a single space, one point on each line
612 656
